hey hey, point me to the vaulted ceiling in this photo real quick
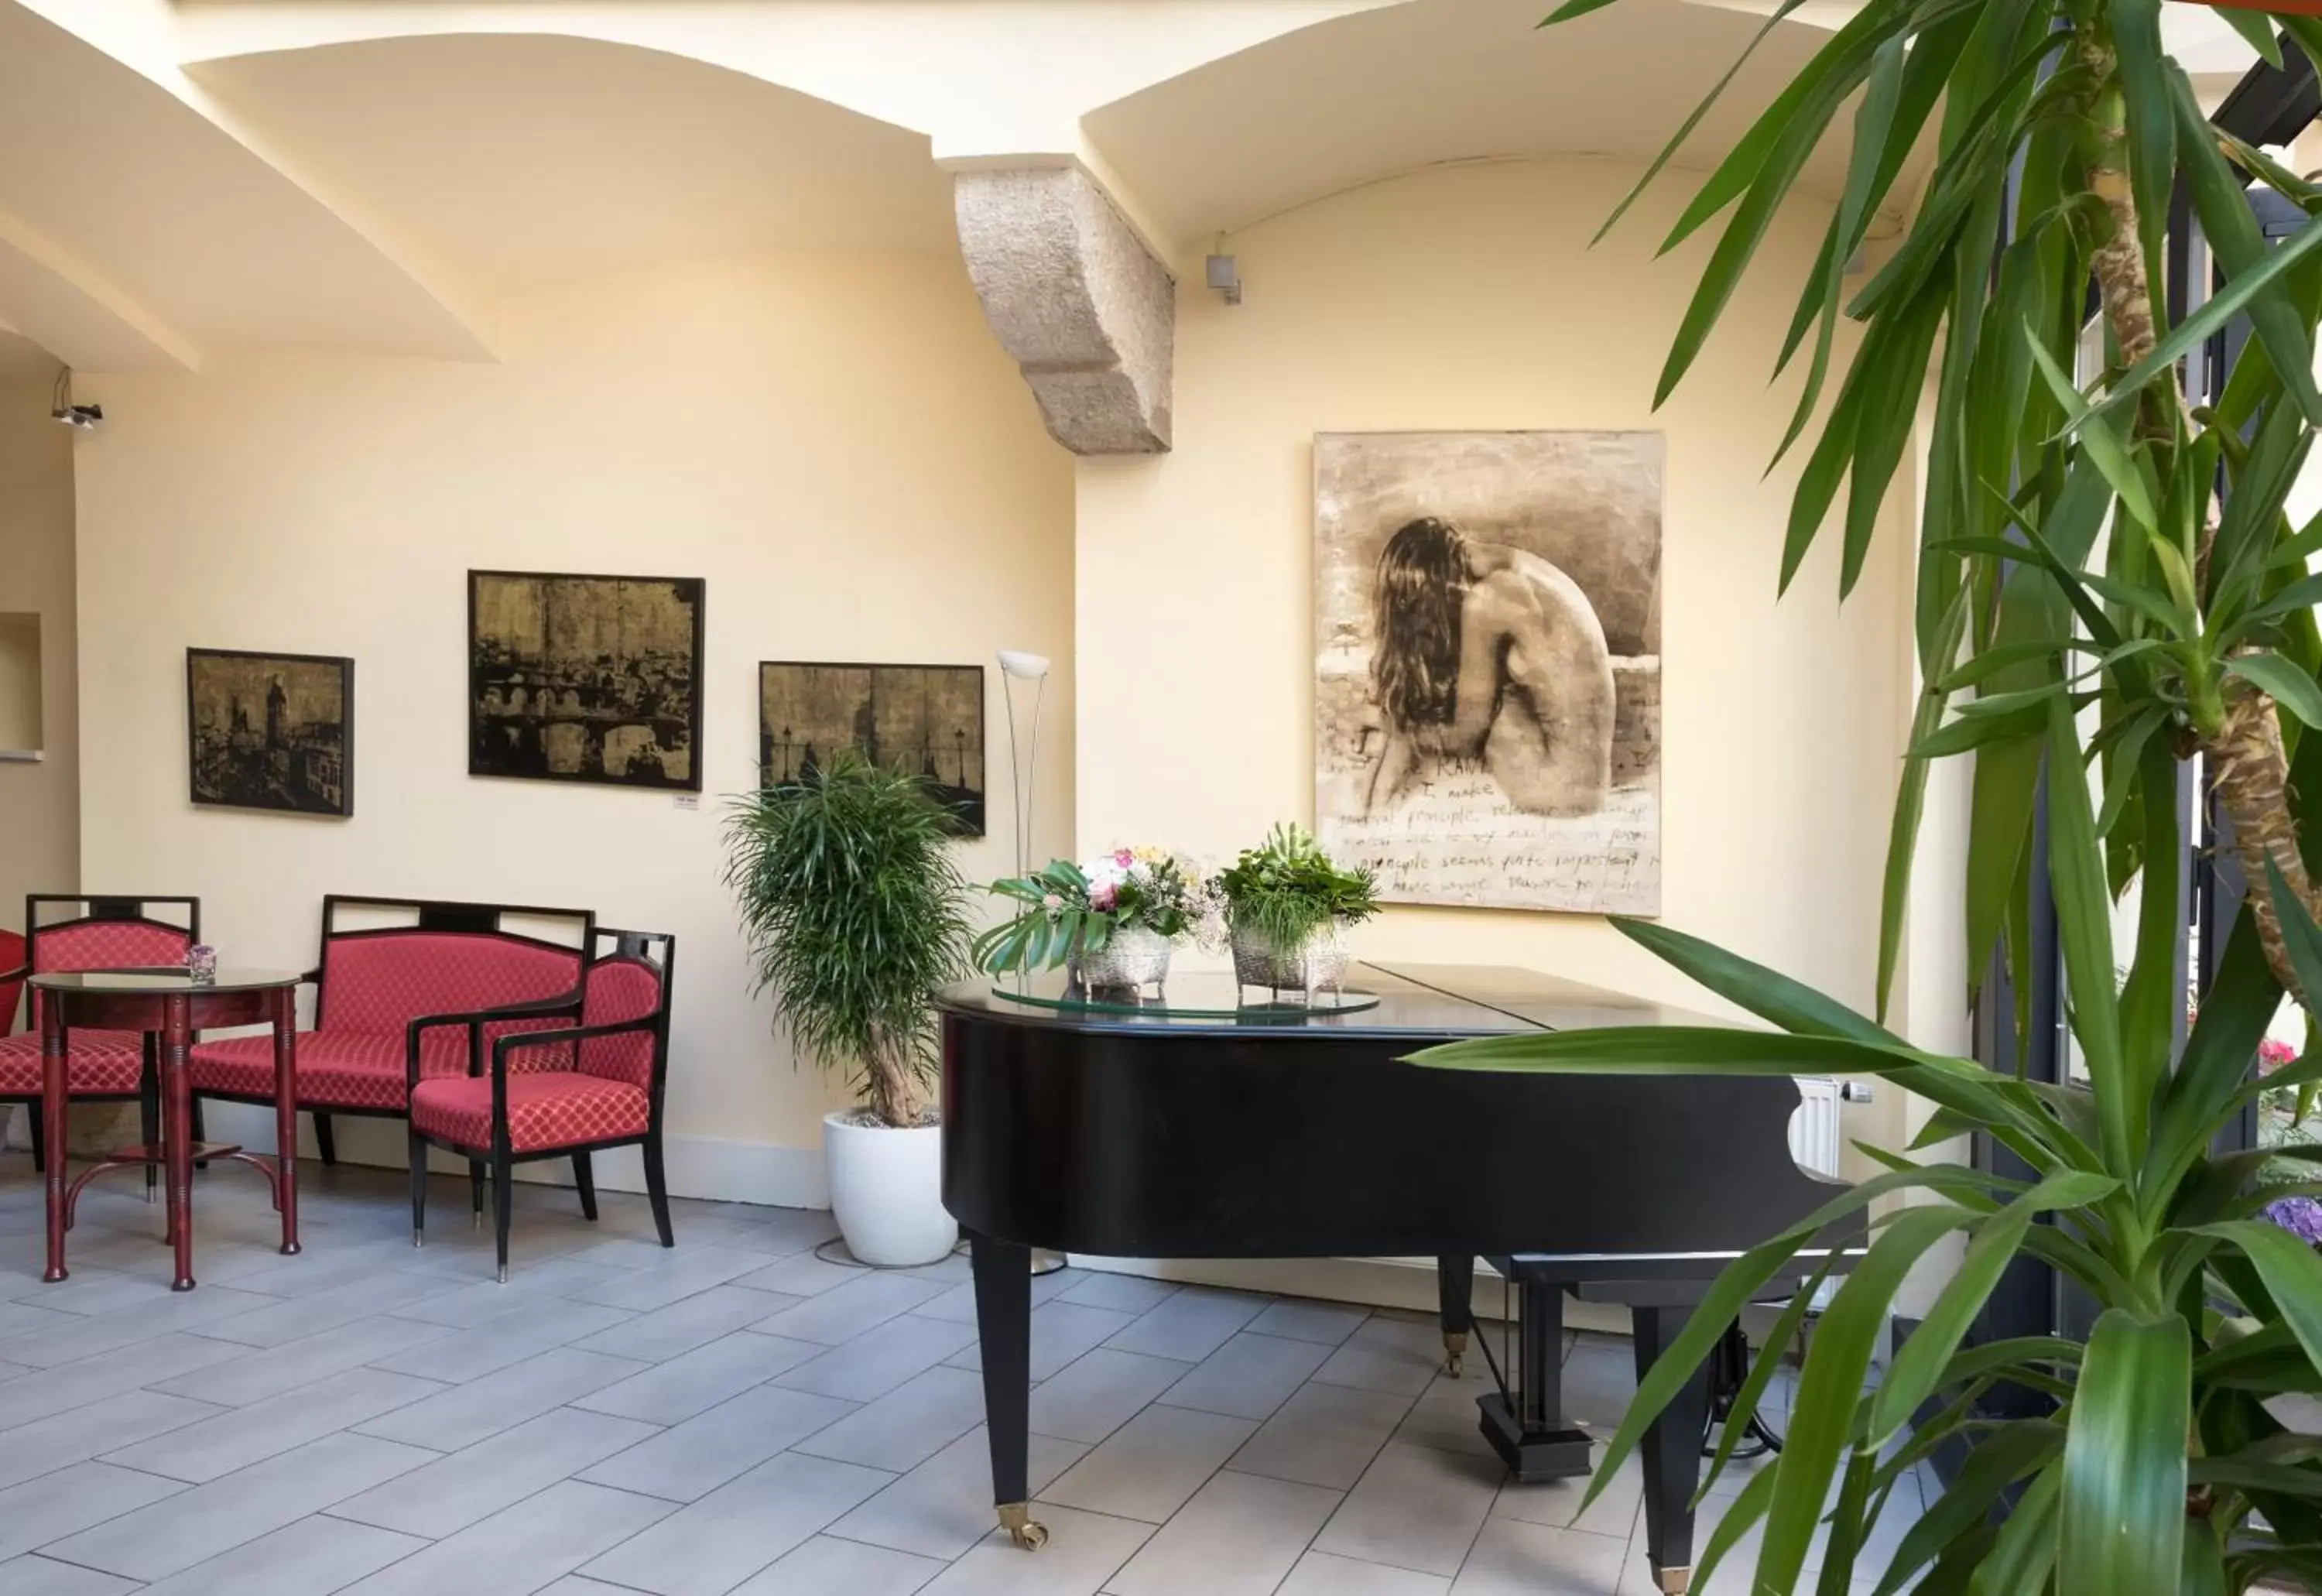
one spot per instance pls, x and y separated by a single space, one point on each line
180 179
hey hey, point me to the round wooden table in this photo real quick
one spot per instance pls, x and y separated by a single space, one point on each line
173 1006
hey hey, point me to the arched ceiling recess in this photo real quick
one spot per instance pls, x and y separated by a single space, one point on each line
1393 90
136 230
525 159
981 80
1365 97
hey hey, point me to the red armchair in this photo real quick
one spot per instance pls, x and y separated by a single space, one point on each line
14 968
560 1093
64 932
394 1003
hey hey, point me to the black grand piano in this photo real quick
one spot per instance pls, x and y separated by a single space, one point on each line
1217 1122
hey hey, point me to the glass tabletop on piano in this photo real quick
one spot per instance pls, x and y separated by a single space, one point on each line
1190 994
1417 999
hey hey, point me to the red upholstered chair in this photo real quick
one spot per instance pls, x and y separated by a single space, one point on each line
65 933
413 997
561 1093
13 971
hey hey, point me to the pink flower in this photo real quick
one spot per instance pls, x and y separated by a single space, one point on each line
1123 858
2272 1055
1102 896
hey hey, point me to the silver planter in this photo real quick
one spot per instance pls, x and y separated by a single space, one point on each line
1134 957
1319 964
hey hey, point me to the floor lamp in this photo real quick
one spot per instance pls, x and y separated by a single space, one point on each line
1023 765
1015 666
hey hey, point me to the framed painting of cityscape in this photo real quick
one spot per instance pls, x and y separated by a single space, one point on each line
928 719
271 731
585 678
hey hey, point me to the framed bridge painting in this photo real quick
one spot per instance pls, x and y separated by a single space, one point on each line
271 731
585 678
925 719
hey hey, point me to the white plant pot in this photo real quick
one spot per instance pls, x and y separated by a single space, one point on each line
886 1191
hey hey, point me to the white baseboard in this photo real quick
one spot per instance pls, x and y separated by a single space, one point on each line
707 1167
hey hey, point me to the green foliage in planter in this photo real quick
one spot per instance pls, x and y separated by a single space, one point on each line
855 914
2096 556
1286 890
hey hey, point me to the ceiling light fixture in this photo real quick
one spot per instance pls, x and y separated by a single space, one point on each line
79 417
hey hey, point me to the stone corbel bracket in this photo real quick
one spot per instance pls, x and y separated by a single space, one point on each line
1079 301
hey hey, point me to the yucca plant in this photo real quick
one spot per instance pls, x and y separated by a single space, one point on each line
2107 584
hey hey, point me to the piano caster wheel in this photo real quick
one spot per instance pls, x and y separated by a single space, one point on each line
1015 1518
1455 1352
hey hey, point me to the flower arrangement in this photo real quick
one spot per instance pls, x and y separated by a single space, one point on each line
1072 910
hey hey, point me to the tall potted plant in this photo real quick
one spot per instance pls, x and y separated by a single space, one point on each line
2060 129
856 914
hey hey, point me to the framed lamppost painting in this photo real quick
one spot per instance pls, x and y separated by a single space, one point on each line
268 730
925 719
591 679
1487 685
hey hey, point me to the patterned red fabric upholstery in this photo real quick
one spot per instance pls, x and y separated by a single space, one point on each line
381 981
98 1063
12 992
546 1109
620 989
108 945
104 944
335 1070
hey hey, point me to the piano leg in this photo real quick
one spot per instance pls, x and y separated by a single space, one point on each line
1672 1453
1531 1435
1455 1280
1003 1325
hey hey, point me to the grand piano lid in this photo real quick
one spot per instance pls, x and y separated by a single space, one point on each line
1419 1001
1550 1001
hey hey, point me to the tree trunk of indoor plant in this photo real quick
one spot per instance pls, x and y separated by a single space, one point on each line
2249 770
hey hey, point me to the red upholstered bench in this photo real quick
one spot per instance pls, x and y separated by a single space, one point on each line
408 988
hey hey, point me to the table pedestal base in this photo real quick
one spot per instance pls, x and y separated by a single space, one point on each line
171 1007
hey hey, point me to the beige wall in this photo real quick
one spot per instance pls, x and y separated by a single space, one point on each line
39 815
835 443
1466 297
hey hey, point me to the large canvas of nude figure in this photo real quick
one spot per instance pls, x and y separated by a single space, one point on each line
1487 666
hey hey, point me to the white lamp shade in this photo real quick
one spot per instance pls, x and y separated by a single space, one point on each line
1024 666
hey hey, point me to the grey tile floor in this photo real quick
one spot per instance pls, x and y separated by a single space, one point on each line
732 1416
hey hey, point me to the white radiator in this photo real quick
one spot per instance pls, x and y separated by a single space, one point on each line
1813 1128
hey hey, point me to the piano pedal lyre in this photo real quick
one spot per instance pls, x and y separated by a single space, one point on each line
1015 1518
1455 1352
